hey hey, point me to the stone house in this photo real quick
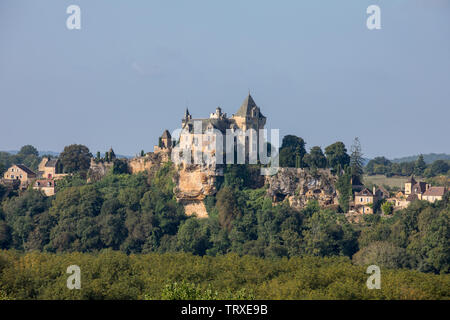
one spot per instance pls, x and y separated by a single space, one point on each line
364 201
45 185
50 169
20 172
434 193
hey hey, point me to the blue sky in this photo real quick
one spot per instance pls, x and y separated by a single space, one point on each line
312 66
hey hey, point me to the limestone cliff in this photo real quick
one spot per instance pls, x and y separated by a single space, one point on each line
298 186
150 163
193 184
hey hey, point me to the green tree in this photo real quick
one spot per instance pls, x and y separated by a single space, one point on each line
75 157
120 166
419 166
227 207
28 150
292 152
356 160
344 188
315 159
387 208
337 156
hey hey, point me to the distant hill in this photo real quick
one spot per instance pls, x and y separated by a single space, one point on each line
429 158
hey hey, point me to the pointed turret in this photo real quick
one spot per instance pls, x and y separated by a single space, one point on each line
246 107
187 115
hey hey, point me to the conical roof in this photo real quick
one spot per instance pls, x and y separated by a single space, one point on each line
166 135
246 107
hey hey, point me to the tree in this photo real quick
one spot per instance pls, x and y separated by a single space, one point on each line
356 160
28 150
75 157
337 156
315 159
378 165
387 207
120 166
438 167
344 187
419 166
383 254
292 152
227 207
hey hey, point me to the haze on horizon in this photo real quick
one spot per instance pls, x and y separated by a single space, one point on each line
312 67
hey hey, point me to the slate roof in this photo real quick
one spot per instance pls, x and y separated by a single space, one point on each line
246 108
25 168
51 163
166 135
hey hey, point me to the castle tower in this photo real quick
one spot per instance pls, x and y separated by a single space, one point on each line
409 184
166 140
248 117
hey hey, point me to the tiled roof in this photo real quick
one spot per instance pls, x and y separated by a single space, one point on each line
364 192
435 191
25 168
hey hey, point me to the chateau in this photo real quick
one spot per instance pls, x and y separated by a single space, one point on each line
203 137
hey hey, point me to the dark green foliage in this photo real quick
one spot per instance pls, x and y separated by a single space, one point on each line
315 159
28 150
75 158
344 187
140 214
419 166
292 152
120 166
227 207
337 156
420 235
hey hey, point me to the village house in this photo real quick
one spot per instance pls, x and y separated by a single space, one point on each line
50 169
434 193
45 185
20 172
416 191
365 200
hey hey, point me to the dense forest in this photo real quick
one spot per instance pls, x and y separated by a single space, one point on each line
175 276
129 220
139 214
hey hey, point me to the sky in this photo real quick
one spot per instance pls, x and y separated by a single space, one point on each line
313 67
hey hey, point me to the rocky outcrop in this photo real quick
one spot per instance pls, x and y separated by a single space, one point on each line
193 184
98 170
298 186
150 163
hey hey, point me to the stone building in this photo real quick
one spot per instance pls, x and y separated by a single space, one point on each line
45 185
50 169
20 172
206 135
